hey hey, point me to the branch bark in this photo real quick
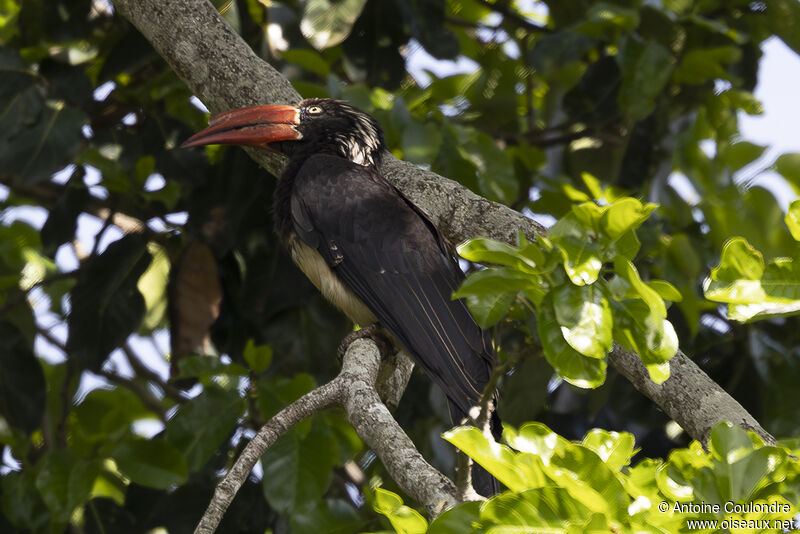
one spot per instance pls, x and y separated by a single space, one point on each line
354 389
222 70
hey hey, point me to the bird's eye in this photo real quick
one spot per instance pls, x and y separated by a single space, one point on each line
314 110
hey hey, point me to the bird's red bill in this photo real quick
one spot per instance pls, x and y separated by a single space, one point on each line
254 126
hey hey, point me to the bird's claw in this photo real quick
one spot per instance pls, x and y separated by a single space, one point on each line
373 332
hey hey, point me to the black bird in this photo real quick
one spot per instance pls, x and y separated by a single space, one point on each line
363 244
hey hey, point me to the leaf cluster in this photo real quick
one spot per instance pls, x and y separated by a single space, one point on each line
563 486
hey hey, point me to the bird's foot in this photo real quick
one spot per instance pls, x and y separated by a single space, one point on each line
375 333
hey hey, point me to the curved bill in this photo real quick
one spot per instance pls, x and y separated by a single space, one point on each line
254 126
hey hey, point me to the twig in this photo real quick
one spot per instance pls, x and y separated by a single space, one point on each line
109 220
142 370
147 397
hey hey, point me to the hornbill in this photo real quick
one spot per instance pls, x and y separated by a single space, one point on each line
363 244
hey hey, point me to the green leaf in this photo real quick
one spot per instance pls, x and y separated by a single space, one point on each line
546 509
53 481
327 23
493 281
535 438
614 448
741 154
589 480
788 166
705 64
783 19
751 289
740 467
39 137
65 483
62 221
276 393
405 520
105 415
153 286
421 142
517 471
484 250
739 261
22 383
654 339
581 259
155 463
574 367
258 357
646 69
625 269
584 316
454 520
606 20
665 290
297 468
488 310
556 51
106 303
624 215
201 425
495 168
793 219
22 502
310 60
207 366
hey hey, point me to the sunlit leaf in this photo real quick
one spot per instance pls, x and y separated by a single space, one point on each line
573 366
517 471
614 448
326 23
584 316
793 219
405 520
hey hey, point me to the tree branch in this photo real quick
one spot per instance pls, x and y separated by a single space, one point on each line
307 405
222 70
688 396
374 423
355 390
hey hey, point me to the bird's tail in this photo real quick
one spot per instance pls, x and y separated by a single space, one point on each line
483 482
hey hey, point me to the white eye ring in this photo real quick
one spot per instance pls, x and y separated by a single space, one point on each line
314 110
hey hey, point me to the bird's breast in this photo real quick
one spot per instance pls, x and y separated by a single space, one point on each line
325 280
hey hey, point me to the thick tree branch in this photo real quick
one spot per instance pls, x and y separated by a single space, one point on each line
224 73
355 390
688 396
375 425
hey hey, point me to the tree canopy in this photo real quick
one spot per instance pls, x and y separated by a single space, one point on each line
150 323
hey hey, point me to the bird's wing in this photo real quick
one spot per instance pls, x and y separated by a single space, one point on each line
393 258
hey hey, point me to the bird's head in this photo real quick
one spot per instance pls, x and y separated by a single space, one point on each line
314 126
